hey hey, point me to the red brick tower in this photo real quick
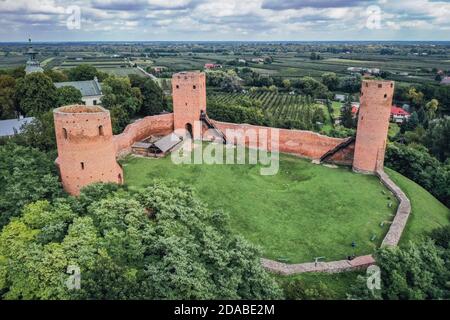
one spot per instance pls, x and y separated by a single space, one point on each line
86 152
373 125
189 99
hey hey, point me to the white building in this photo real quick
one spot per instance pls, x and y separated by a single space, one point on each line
91 90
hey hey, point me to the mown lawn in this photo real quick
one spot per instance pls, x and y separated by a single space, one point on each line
304 211
427 214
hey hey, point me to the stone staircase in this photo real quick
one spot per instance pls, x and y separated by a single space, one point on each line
214 134
336 149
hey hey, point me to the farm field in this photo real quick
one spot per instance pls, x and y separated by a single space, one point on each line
97 62
304 211
122 72
15 60
182 62
275 105
293 65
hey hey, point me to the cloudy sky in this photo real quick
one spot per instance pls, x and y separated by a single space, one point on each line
64 20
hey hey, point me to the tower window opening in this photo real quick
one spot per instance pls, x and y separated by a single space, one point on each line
178 87
82 165
194 87
380 86
100 130
385 96
65 133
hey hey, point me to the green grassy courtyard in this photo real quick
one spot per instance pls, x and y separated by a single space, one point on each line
427 214
304 211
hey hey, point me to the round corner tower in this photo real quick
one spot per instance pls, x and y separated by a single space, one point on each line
373 125
86 152
189 99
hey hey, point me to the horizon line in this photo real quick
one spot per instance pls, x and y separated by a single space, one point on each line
215 41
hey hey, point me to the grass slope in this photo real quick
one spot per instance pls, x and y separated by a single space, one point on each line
304 211
427 212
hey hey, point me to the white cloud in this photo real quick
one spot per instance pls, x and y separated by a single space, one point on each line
30 7
214 19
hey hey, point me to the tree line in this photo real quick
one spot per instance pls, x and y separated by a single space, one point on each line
35 95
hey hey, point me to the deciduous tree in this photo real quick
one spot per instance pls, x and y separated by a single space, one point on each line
158 243
7 90
36 94
68 95
26 175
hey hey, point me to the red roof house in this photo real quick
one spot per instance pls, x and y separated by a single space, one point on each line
398 114
212 66
355 109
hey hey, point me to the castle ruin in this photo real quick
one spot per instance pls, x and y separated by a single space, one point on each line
189 100
373 125
87 150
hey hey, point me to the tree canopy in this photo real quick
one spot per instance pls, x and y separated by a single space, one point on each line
68 95
36 94
7 90
153 99
331 80
123 101
39 134
437 138
26 175
417 271
311 87
158 243
416 163
85 72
